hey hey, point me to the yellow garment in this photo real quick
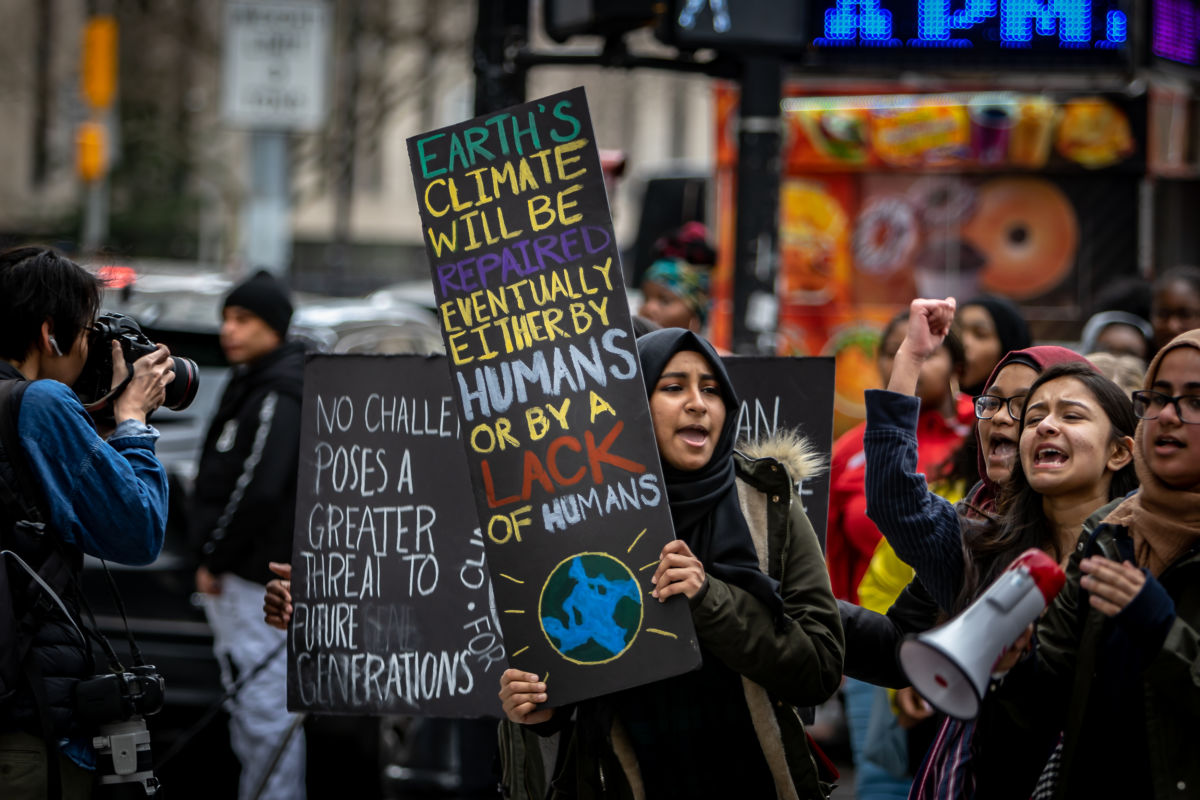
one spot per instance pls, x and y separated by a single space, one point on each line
885 578
887 575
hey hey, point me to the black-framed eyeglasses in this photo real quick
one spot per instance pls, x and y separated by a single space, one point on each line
986 405
1149 404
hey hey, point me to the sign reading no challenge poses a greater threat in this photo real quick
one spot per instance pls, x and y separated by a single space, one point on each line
393 604
555 420
391 594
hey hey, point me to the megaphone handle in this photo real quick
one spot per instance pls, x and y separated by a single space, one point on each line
1010 589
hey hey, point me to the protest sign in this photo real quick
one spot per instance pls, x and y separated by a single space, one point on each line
390 586
555 419
391 594
791 393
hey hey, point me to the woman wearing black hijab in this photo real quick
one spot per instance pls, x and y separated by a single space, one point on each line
989 326
752 571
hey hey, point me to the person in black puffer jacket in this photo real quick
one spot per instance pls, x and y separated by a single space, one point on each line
243 511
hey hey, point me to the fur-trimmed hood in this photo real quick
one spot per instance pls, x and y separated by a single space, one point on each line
791 449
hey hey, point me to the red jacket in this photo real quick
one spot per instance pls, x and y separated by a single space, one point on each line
851 536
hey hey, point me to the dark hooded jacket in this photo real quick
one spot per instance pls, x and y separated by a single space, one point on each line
245 493
798 664
769 623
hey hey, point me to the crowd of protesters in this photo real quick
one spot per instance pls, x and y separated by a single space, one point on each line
983 445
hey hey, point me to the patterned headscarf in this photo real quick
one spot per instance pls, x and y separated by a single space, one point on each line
688 281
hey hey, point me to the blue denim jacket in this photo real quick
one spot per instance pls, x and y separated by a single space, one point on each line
108 499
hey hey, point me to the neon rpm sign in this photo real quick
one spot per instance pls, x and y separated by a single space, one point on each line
1016 33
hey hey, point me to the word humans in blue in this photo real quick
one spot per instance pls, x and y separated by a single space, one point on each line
103 497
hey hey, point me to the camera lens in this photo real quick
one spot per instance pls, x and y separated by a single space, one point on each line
182 391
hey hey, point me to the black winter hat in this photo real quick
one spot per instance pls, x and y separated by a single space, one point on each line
263 295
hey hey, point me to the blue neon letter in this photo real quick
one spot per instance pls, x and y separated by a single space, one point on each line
863 17
935 20
1072 18
1118 28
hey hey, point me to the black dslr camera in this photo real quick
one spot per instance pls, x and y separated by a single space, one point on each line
117 703
94 384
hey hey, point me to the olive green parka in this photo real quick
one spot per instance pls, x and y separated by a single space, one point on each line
786 664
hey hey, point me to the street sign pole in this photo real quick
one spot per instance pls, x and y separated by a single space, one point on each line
267 213
275 73
501 30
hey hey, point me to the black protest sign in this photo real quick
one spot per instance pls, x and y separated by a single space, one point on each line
789 394
555 419
391 594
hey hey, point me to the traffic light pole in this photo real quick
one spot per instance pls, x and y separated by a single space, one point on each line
501 31
94 231
755 307
98 79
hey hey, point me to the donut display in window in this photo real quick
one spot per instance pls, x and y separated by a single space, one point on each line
942 199
886 235
1027 233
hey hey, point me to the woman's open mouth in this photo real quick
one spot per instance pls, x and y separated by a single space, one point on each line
1167 445
1001 450
1049 456
694 435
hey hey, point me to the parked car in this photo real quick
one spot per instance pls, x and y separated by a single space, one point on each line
366 325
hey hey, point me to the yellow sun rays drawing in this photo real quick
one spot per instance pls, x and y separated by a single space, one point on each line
636 539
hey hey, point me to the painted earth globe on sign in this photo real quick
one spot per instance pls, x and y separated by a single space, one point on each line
591 608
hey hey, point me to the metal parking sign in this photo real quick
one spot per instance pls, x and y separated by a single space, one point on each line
275 64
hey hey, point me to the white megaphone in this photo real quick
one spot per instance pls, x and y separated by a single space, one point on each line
950 666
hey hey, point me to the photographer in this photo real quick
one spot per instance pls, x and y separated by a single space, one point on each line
104 498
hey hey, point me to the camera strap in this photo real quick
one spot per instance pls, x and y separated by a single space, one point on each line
102 404
135 652
24 545
114 661
41 556
202 722
53 595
